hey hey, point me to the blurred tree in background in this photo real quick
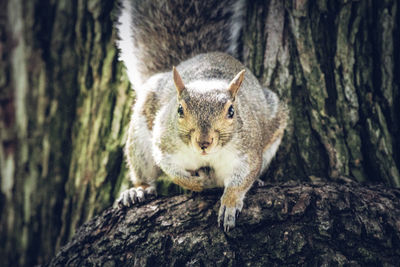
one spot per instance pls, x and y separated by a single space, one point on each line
65 103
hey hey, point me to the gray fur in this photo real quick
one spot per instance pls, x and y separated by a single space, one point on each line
253 104
165 33
188 34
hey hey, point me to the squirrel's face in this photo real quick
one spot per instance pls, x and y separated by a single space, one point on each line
206 113
206 121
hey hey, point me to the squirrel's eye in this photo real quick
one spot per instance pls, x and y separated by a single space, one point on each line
180 111
231 112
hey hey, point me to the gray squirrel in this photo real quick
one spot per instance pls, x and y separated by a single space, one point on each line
206 122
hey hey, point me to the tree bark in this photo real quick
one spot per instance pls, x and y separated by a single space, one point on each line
337 63
65 103
291 224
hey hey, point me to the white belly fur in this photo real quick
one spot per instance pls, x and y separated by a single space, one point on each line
269 153
224 162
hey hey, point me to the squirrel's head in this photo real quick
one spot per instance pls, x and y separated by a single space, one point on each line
206 112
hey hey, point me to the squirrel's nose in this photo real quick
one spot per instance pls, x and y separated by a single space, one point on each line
205 144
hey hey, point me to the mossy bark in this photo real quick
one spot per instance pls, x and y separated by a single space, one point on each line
65 104
335 62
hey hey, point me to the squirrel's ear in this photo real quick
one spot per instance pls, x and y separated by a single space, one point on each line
178 81
236 82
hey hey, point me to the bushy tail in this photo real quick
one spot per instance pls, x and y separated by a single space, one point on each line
157 34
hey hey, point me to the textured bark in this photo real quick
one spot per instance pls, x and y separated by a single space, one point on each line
335 63
65 104
284 224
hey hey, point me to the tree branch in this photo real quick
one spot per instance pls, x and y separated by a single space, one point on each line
291 224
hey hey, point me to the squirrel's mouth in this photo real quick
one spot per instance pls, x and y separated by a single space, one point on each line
204 144
208 151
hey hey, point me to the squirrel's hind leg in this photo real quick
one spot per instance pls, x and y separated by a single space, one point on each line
143 170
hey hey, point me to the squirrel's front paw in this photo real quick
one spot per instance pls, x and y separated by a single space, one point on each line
204 177
135 195
228 213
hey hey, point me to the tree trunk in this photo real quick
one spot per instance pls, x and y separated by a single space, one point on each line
337 63
280 225
64 107
65 104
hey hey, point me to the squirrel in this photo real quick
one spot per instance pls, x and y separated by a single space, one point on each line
206 122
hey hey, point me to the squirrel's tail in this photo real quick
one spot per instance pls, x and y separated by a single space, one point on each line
157 34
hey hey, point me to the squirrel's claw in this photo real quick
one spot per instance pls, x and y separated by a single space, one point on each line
227 217
127 198
134 195
221 215
227 213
